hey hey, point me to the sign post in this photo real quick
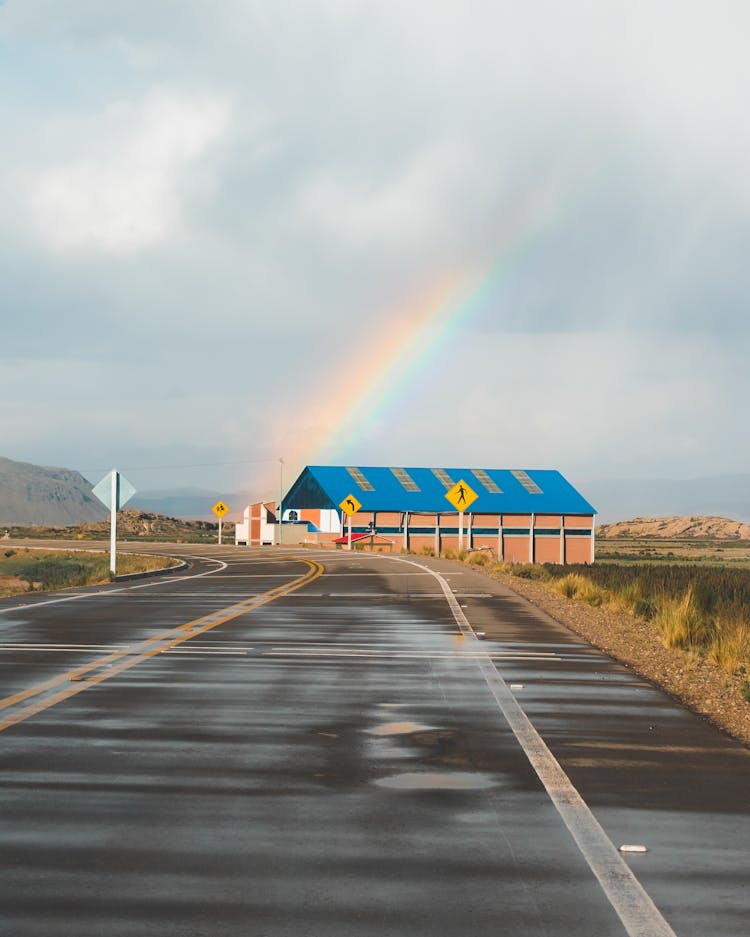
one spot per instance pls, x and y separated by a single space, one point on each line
349 506
220 509
114 491
461 496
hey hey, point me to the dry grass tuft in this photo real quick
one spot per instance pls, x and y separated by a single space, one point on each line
569 586
730 648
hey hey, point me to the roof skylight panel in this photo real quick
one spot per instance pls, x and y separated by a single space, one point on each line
530 485
406 480
484 479
443 477
359 479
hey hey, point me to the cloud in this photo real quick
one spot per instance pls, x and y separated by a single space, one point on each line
338 159
131 196
640 402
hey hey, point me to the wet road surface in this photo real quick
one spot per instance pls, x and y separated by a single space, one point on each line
315 744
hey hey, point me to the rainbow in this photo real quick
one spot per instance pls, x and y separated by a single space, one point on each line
406 340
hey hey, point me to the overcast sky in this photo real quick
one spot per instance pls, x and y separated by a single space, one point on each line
491 233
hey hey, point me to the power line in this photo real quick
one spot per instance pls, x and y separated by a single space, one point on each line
153 468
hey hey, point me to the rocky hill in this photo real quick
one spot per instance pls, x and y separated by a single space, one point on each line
34 494
147 525
677 528
131 525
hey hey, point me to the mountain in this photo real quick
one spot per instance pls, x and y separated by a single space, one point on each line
56 497
31 494
712 496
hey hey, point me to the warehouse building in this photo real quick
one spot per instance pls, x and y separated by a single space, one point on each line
520 515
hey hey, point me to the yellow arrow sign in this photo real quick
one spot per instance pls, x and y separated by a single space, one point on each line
461 496
350 505
220 509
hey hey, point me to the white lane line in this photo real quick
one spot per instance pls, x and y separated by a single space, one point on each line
203 653
217 596
68 648
399 655
358 573
254 575
631 901
62 647
400 596
103 593
398 646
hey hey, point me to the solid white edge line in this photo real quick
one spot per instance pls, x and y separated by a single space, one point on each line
90 595
632 903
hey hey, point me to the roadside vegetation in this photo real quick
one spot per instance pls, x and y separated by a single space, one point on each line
703 610
30 570
694 595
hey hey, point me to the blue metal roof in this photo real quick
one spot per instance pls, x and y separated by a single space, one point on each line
325 486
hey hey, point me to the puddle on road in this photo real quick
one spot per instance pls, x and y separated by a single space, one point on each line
438 781
398 728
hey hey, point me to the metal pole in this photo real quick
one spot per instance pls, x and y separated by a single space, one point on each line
593 539
460 531
281 489
113 522
219 531
350 532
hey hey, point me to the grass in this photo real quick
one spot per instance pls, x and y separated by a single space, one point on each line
695 594
29 570
703 610
691 551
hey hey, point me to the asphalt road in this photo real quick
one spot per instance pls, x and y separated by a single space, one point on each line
319 744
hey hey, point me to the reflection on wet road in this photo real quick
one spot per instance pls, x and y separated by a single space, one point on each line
332 760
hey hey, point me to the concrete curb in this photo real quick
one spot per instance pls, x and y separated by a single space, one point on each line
165 570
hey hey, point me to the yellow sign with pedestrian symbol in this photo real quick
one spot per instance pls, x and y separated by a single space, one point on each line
461 496
349 505
220 509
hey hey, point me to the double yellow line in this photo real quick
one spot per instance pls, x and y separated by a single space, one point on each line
44 695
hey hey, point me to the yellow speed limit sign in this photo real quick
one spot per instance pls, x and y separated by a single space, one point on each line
220 509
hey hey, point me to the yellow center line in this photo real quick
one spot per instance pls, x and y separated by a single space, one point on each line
142 651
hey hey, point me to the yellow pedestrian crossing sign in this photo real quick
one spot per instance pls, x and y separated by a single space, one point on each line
350 505
220 509
461 496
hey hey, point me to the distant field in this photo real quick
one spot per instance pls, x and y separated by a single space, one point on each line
27 570
735 553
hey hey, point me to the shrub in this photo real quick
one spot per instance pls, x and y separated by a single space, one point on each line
683 624
644 608
591 594
569 585
480 558
493 566
730 645
427 551
745 690
529 571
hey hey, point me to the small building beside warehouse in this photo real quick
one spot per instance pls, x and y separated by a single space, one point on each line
521 515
